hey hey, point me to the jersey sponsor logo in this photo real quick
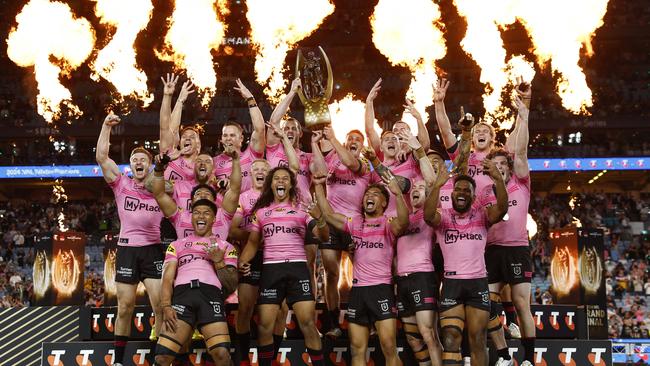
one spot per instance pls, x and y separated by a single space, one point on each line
332 179
473 170
134 204
175 176
445 198
453 235
188 232
189 258
365 244
272 229
412 231
172 250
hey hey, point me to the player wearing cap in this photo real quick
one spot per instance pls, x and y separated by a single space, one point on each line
139 253
199 273
371 300
462 234
281 223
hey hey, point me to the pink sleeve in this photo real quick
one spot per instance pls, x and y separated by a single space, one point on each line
525 181
230 256
254 154
388 231
175 217
350 223
117 183
255 223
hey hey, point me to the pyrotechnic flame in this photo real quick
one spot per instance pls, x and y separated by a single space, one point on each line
50 38
531 226
349 114
41 274
345 270
117 61
409 34
58 192
276 27
65 272
558 36
563 271
195 30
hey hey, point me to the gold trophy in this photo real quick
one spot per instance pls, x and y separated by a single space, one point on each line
315 92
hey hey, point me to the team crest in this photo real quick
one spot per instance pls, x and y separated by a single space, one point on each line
517 270
216 308
485 298
384 306
416 298
305 287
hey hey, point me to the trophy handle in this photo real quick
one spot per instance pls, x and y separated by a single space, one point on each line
301 95
330 77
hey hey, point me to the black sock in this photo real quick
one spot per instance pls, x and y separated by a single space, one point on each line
503 353
316 356
265 355
277 342
244 344
334 317
511 313
120 345
529 348
464 345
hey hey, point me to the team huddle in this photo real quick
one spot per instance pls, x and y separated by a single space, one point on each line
430 243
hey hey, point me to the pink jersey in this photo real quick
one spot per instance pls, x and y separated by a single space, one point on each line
462 239
276 157
246 202
475 168
373 250
408 169
345 189
283 228
182 193
182 221
194 262
511 232
445 194
223 166
180 169
414 247
139 213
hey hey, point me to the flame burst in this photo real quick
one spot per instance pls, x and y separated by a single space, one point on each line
65 272
349 114
276 26
558 37
411 38
50 38
483 43
117 61
196 30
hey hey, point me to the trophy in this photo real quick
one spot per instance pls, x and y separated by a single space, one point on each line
315 92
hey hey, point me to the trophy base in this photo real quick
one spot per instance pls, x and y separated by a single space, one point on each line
318 126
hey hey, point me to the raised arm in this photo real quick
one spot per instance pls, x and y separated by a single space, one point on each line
317 158
423 132
347 158
521 144
335 219
439 92
466 123
373 138
258 137
231 198
110 170
524 91
167 204
431 213
166 137
419 153
496 212
401 222
281 110
289 151
175 124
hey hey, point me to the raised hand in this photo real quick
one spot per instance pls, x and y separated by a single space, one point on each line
232 153
241 88
466 121
391 182
523 88
276 131
316 136
374 91
169 83
410 140
328 133
440 90
112 120
443 175
296 84
410 108
369 153
186 89
311 207
518 103
491 168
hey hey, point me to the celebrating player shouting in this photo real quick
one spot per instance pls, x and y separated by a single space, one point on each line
282 225
462 233
139 253
198 274
371 298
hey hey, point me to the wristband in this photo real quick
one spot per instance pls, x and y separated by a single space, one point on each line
252 105
250 98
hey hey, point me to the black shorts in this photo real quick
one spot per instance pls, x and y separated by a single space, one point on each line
199 306
368 304
469 292
134 264
253 278
339 240
511 265
310 238
416 292
289 280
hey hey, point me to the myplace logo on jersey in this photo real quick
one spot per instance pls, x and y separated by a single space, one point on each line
365 244
453 235
134 204
271 229
473 170
332 179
